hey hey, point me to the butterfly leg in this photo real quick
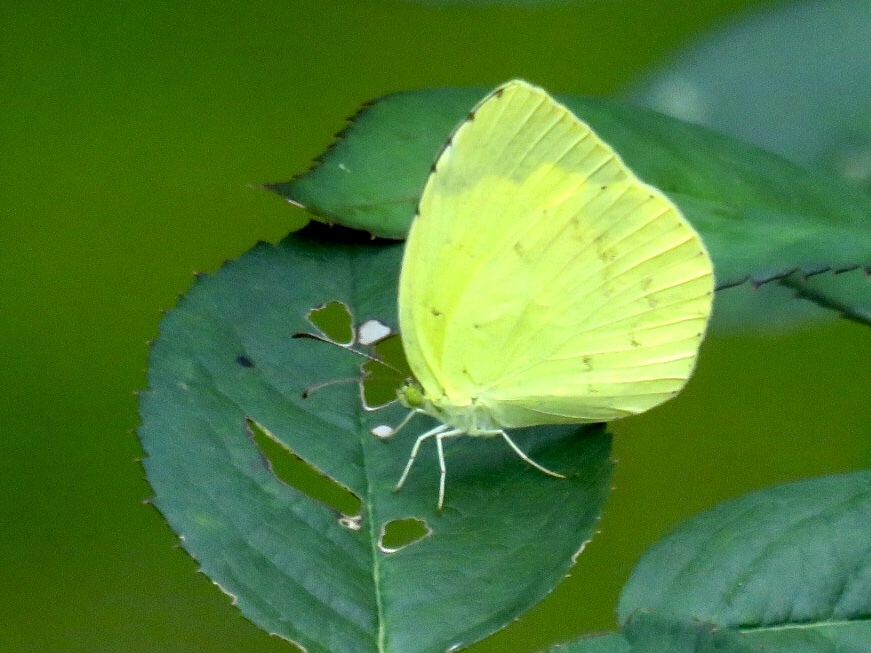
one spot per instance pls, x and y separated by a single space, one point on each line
441 428
442 467
405 420
520 453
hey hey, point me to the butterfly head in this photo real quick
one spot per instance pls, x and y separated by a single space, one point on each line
412 396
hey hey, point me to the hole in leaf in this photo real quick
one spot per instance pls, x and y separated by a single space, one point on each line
390 351
384 370
372 332
289 468
333 319
399 533
381 380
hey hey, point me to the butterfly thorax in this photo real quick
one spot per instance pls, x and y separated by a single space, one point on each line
472 418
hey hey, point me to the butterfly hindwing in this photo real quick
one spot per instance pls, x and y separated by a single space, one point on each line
544 279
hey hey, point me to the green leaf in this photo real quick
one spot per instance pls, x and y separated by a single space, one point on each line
372 175
848 293
761 216
226 374
773 306
649 632
790 564
796 83
793 79
839 638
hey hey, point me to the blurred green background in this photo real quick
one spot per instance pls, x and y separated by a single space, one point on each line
133 137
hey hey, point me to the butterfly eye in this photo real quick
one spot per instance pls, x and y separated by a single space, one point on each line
411 395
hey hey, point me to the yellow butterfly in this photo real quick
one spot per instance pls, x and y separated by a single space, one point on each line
542 281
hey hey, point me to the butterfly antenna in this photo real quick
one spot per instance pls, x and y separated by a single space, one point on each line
362 354
317 386
520 453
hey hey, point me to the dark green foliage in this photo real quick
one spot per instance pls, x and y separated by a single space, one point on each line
786 569
332 559
226 372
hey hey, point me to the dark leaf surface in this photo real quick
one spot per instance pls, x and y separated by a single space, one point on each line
226 373
788 566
